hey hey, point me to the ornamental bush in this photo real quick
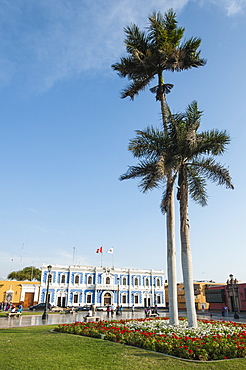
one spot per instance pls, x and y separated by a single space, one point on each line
212 340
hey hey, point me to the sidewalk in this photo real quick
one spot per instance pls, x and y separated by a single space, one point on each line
55 319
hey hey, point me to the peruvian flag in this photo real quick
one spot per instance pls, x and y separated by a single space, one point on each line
99 250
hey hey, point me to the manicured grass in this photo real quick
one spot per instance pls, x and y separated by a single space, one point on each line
28 313
38 348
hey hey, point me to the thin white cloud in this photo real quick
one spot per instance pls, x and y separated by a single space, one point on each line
230 7
48 41
44 42
234 7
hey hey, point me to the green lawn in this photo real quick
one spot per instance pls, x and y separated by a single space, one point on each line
38 348
28 313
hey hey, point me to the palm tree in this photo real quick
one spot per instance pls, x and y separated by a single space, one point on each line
154 51
150 53
185 152
195 166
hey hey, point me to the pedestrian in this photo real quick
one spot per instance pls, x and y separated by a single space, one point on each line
223 311
133 309
226 311
121 309
112 310
156 310
108 310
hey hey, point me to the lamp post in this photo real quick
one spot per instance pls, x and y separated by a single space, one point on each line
118 296
233 284
45 315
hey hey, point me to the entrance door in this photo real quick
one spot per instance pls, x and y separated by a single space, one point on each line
28 300
63 301
107 299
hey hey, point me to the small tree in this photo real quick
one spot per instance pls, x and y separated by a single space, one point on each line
27 273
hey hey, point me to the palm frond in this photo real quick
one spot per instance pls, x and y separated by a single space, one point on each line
196 186
213 142
135 40
135 87
149 143
166 197
213 171
151 173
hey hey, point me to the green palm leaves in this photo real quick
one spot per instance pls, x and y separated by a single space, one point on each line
158 49
184 151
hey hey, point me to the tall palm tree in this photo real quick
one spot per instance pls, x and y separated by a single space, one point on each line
150 53
185 152
195 152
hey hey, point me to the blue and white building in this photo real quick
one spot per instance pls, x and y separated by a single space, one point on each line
100 286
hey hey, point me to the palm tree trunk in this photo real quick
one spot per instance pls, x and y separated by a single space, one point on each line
186 255
170 224
171 263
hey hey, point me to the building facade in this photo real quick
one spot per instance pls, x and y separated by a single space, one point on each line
200 289
232 294
19 292
100 286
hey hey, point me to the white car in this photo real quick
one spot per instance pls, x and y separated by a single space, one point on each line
102 308
56 309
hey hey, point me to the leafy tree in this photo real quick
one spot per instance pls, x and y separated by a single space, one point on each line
160 48
27 273
187 153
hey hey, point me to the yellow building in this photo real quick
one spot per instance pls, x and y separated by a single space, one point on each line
19 292
199 291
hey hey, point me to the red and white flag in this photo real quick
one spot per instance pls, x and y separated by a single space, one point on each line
99 250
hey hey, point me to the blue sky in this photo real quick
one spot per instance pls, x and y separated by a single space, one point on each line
65 131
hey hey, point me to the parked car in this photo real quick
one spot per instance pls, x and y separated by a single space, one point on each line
57 309
83 308
102 308
39 307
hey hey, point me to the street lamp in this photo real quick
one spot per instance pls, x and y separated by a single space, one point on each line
45 315
118 296
233 286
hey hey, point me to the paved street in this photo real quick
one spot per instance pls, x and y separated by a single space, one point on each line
53 319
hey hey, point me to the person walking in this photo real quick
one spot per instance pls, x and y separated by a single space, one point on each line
108 310
112 310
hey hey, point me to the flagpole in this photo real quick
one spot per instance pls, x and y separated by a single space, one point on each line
113 259
102 259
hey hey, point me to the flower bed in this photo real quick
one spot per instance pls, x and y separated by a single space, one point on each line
212 340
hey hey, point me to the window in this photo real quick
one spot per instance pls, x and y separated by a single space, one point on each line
50 278
123 298
124 281
136 281
158 299
77 279
88 298
75 298
89 280
136 299
63 279
158 282
107 280
147 282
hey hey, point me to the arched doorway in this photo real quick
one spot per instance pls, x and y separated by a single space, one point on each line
107 299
